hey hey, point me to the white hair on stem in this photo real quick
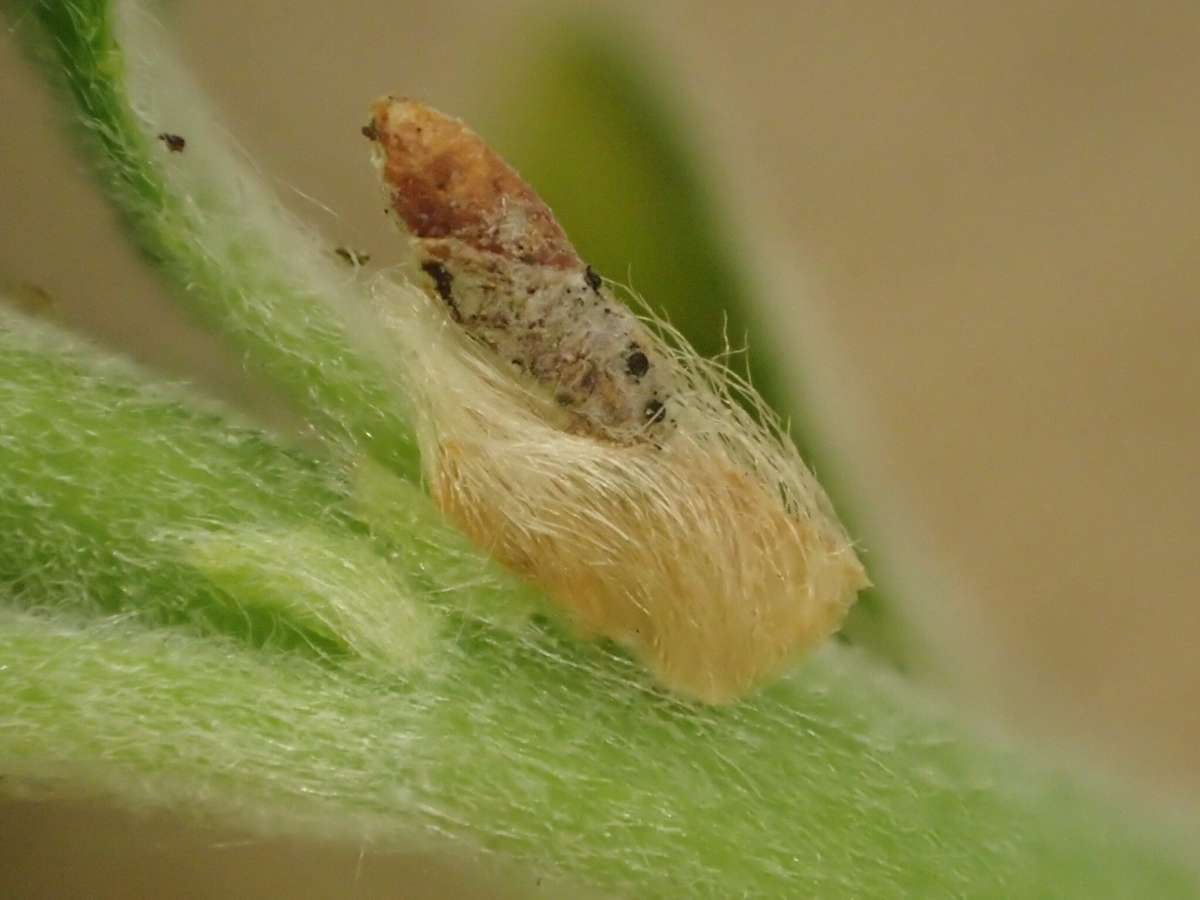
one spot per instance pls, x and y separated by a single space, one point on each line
714 557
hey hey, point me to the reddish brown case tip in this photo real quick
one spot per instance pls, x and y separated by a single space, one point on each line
445 182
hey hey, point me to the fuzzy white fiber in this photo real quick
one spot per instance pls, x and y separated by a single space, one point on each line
714 555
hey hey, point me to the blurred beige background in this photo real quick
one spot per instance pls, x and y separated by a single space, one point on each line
977 224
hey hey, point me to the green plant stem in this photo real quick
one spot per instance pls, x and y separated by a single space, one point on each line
512 738
245 267
102 471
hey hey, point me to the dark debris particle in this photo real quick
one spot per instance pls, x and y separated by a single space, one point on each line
370 132
174 142
655 412
443 283
637 364
592 277
352 257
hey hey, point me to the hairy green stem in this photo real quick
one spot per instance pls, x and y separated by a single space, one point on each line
100 469
245 266
175 632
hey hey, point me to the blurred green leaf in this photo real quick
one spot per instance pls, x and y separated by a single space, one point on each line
593 126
